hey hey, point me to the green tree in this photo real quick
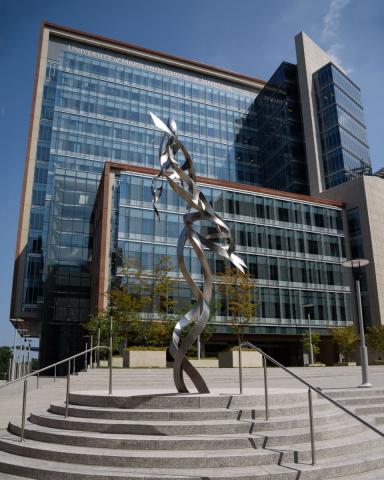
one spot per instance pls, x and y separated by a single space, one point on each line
134 296
375 339
236 290
5 355
315 344
346 340
205 336
163 288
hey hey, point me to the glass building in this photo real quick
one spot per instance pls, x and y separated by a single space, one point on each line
282 160
91 128
345 151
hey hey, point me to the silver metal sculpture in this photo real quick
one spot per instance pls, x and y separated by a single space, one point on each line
182 179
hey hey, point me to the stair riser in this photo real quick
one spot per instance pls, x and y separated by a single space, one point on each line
357 393
169 430
183 401
40 474
303 457
332 472
165 443
150 415
287 440
361 401
299 423
369 410
180 416
208 461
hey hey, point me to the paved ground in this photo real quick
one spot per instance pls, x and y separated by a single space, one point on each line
138 381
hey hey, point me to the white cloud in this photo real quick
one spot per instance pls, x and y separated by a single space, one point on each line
334 53
329 32
331 20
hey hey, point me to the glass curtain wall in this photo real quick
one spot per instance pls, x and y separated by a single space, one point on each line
293 250
342 130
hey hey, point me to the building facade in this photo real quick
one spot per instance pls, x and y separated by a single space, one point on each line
93 150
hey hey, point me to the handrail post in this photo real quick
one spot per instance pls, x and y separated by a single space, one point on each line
37 379
23 410
54 374
74 366
91 353
85 358
68 386
240 371
98 345
110 354
266 388
312 431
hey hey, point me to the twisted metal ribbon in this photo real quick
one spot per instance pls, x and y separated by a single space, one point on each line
182 180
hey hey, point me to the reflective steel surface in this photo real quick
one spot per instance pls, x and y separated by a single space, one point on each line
182 179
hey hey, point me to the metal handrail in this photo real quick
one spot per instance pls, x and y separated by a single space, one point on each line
54 365
310 389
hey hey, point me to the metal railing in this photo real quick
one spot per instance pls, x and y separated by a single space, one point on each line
311 389
54 367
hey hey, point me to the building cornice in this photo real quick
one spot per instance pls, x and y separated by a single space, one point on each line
152 55
242 188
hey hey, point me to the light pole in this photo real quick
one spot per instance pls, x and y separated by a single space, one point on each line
308 306
18 369
12 377
28 356
356 264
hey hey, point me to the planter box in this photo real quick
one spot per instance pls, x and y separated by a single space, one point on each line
205 362
144 358
117 362
345 364
231 359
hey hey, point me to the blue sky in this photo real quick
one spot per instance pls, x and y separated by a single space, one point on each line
248 36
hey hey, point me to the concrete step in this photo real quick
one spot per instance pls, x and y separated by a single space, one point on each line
145 414
355 393
206 427
370 400
265 439
329 447
299 435
374 475
192 427
135 442
340 466
121 399
371 410
185 414
50 470
139 458
300 421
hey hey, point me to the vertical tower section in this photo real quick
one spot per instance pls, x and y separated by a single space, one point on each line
334 131
282 160
343 136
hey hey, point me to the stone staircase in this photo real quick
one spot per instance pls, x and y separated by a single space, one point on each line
171 436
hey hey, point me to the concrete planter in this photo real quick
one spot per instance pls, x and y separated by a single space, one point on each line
345 364
144 358
205 362
231 359
117 362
